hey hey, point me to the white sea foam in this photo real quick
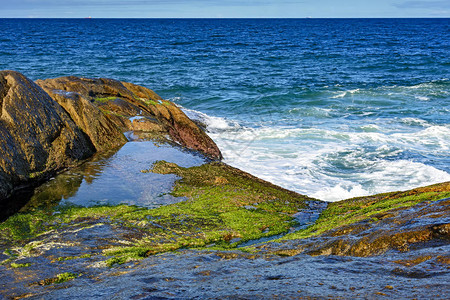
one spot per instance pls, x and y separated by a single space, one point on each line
332 164
318 112
174 99
434 138
340 191
422 98
415 122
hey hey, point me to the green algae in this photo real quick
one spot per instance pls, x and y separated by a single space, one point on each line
370 208
59 278
109 112
11 256
65 258
22 226
232 204
123 255
36 174
16 265
224 208
63 277
151 102
104 99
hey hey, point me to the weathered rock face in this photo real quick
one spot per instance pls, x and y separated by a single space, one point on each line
103 133
399 230
37 137
130 107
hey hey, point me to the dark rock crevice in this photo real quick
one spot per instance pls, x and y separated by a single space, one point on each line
4 88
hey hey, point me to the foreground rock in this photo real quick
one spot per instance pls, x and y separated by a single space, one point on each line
37 137
191 274
390 245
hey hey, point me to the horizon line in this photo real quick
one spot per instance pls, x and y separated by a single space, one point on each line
217 18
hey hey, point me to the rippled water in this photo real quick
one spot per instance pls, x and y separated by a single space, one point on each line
329 108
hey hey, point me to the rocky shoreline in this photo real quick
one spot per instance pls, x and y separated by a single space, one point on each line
232 236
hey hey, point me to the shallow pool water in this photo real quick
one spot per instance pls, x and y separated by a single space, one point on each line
115 177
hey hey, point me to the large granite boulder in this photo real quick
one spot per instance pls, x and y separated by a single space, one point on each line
131 108
37 137
54 124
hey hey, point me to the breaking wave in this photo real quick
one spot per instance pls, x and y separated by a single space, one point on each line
332 164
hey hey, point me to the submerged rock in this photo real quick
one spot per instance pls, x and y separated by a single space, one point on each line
131 108
37 137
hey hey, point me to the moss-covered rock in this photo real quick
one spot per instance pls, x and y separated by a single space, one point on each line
224 208
373 225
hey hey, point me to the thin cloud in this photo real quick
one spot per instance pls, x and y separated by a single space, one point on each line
423 4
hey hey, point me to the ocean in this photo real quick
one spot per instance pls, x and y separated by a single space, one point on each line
330 108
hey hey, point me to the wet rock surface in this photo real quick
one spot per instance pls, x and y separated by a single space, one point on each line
235 275
393 245
425 225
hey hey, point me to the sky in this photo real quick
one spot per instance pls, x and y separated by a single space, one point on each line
223 8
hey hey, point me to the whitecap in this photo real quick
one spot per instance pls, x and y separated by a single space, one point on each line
340 95
415 122
370 128
344 93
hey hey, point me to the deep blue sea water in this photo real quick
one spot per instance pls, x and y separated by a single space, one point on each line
332 108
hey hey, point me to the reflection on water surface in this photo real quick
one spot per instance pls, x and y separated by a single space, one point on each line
115 177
